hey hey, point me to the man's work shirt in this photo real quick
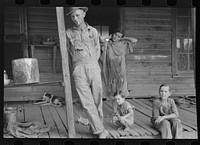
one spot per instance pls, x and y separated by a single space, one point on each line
83 45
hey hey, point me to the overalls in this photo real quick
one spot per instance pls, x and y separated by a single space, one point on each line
84 49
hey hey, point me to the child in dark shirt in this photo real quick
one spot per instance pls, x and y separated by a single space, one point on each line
124 116
165 116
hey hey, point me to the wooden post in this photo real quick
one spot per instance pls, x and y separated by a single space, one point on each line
65 70
173 42
32 51
54 58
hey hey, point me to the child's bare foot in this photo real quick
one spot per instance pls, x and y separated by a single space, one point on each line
126 129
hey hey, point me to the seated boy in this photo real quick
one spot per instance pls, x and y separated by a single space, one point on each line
124 116
165 116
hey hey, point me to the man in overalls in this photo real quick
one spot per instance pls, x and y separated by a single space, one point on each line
84 48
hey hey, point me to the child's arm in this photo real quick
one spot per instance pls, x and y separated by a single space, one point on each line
155 110
130 38
161 118
174 113
130 113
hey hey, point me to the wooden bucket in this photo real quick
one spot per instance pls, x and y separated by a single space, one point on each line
25 71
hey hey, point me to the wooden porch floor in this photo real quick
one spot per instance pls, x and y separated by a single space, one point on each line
142 128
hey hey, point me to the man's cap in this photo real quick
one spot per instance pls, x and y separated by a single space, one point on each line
72 9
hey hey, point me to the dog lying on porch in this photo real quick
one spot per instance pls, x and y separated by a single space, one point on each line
50 99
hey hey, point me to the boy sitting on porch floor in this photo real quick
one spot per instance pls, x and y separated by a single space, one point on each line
124 116
165 116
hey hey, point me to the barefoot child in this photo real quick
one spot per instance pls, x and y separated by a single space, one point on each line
124 116
165 116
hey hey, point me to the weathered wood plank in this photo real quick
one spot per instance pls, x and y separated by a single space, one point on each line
149 58
51 75
62 113
141 51
49 31
11 10
53 133
82 130
43 24
11 16
66 72
147 33
43 32
153 46
188 107
148 10
154 39
36 94
32 88
136 21
156 86
42 10
59 123
33 113
147 16
134 93
20 112
36 17
43 62
150 80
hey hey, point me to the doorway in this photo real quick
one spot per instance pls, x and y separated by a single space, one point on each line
104 19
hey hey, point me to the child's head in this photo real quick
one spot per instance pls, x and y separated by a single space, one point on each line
119 97
117 35
164 91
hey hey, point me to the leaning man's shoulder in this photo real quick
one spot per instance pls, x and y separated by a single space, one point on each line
69 32
93 29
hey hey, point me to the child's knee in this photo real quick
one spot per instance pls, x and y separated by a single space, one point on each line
176 123
165 123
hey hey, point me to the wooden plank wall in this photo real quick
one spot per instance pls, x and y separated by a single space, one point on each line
149 66
11 20
151 62
42 24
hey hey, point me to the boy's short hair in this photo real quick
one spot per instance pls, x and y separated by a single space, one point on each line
165 85
119 93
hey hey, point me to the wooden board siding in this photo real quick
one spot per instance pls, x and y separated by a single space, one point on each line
150 64
42 22
11 20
